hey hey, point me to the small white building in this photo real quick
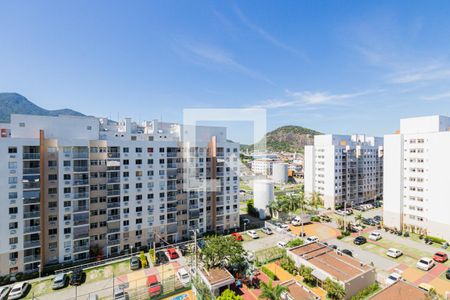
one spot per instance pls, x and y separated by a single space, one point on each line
263 195
280 172
416 183
263 166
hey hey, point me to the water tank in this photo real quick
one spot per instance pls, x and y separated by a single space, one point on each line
263 195
280 172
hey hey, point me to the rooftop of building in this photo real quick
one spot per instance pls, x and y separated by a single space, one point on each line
336 264
297 291
400 290
217 275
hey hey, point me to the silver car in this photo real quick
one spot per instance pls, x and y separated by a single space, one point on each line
60 281
4 291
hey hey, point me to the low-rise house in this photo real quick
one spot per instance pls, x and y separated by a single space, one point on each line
400 290
216 280
297 291
326 262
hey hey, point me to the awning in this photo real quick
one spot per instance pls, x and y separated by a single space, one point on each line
319 275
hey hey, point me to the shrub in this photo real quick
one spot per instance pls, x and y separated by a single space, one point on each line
365 293
306 273
315 219
345 233
19 276
143 259
269 273
340 237
436 240
406 234
289 265
294 243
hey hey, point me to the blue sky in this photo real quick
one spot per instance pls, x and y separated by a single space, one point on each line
334 66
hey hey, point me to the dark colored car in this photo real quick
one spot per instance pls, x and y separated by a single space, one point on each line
161 258
447 274
184 249
347 252
359 240
378 218
366 221
77 277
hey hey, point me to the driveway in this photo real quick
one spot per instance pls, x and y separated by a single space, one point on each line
267 242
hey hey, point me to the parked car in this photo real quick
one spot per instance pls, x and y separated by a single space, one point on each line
154 287
183 276
366 221
237 236
60 281
92 297
375 236
359 240
440 257
253 234
447 274
250 256
392 252
425 263
426 287
378 218
77 277
172 252
4 291
19 290
311 239
267 230
135 263
281 244
347 252
340 212
184 249
284 227
120 294
393 278
161 258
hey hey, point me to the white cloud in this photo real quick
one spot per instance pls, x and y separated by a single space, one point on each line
204 54
441 96
433 72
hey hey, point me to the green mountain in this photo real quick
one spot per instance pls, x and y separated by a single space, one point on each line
13 103
287 139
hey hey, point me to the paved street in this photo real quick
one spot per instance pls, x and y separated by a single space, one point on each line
266 242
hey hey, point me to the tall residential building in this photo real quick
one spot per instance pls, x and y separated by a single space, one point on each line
76 186
344 168
416 186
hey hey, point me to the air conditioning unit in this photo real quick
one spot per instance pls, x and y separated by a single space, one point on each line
67 223
67 236
14 246
13 231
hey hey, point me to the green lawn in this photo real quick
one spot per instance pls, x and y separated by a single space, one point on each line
40 288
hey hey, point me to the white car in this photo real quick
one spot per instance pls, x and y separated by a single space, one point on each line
375 236
393 278
281 244
19 290
425 263
183 276
392 252
4 291
311 239
252 234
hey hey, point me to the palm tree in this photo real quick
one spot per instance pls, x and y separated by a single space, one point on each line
270 292
274 206
316 200
334 289
358 217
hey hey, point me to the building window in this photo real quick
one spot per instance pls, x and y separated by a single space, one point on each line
21 124
12 150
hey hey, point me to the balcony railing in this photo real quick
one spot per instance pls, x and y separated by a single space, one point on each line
31 258
113 230
31 185
80 182
80 155
31 201
113 192
31 214
113 179
29 171
29 229
80 222
113 217
113 204
31 244
171 220
80 168
113 242
80 235
80 208
80 248
114 155
31 156
80 195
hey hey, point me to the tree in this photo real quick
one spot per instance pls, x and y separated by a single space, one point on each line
222 251
358 217
143 259
334 289
229 295
340 223
316 200
270 292
306 273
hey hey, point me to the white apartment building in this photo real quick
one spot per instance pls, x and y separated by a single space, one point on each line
416 186
74 187
344 168
263 166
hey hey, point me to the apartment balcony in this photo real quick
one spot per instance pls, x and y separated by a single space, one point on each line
80 155
80 168
113 204
114 155
31 258
29 171
31 156
81 195
171 166
77 182
171 198
31 244
31 214
113 192
171 209
31 185
81 235
172 154
114 230
80 222
113 242
77 209
171 220
31 229
31 200
193 206
81 248
113 179
113 217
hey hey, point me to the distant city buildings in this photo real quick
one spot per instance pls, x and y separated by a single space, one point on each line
416 183
77 187
263 166
344 169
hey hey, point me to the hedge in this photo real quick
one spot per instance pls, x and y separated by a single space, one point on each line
436 239
269 273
